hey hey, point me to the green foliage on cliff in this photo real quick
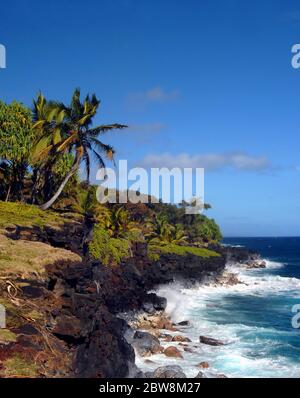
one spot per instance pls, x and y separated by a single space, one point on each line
21 214
197 228
154 251
206 231
109 251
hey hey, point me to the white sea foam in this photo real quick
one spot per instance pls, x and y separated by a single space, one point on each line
238 358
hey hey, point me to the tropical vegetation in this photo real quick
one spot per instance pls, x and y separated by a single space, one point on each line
43 153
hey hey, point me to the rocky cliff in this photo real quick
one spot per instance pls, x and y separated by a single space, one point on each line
63 321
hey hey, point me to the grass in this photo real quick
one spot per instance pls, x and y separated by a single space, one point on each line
18 257
13 213
155 251
6 336
19 367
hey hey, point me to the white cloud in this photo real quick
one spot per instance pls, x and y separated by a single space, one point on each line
158 94
210 162
155 95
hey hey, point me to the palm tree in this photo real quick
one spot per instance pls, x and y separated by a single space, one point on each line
119 223
68 129
163 232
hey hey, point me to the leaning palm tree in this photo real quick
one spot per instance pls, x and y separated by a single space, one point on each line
68 129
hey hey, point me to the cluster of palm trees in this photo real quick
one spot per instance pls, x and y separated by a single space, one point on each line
67 130
162 232
41 152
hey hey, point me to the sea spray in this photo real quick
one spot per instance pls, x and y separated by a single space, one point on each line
253 316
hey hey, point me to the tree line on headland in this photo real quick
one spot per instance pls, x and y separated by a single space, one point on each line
41 152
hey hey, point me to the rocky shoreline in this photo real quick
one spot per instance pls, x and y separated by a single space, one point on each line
148 330
81 332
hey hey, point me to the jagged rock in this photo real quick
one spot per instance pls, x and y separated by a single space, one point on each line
167 372
154 303
68 328
146 344
256 264
228 279
84 299
210 341
239 254
173 352
183 323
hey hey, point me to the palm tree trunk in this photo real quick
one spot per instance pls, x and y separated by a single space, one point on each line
73 170
8 193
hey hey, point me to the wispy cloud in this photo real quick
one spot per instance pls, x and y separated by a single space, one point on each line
155 95
158 94
212 161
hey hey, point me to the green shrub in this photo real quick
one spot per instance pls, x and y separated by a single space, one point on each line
154 251
108 250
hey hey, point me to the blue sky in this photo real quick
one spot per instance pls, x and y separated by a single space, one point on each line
205 83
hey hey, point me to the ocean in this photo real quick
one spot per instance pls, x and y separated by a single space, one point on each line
253 318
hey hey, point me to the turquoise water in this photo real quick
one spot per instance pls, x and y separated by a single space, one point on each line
254 318
267 310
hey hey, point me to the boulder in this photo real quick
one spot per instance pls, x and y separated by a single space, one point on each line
180 338
210 341
154 303
183 323
253 264
167 372
172 352
146 344
203 365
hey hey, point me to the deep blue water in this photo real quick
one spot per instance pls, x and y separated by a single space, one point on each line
254 318
283 250
265 306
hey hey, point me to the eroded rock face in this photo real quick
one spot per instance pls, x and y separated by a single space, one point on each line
240 254
167 372
87 297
